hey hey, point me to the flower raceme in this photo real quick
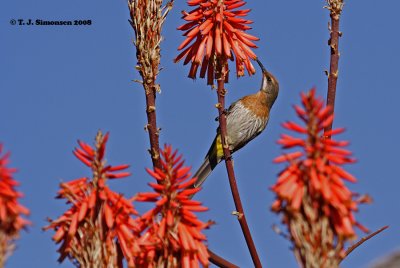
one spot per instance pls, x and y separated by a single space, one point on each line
215 31
173 235
98 226
314 173
11 220
98 229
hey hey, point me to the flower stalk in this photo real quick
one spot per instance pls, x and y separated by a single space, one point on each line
335 8
221 91
350 249
215 32
147 19
219 261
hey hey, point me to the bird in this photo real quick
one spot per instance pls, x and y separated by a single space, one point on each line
246 118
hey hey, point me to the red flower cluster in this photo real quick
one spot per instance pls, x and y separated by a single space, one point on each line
173 236
218 32
11 221
96 210
314 171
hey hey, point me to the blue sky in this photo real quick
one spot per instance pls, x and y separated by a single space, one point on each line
60 84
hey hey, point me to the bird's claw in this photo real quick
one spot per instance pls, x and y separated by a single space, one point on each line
224 112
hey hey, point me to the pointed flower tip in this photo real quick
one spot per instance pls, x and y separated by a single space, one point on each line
288 157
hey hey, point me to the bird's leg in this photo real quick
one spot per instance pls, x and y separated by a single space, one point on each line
229 158
225 144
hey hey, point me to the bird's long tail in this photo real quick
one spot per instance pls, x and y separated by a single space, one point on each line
211 160
202 173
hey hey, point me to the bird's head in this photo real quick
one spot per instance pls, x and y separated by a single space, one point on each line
269 84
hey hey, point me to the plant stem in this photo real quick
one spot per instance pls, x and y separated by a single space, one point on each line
229 166
335 8
148 39
5 248
152 126
362 240
219 261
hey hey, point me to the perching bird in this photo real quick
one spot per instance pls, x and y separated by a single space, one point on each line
245 120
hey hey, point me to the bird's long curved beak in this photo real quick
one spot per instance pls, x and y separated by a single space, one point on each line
261 66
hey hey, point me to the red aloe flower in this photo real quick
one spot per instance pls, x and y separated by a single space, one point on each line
173 235
311 188
11 221
98 226
217 30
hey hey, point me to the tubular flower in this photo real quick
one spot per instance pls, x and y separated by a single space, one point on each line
215 31
310 191
171 231
99 224
11 221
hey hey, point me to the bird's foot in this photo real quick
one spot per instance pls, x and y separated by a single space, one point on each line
224 112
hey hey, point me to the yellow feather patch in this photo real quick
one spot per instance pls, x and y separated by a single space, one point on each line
220 150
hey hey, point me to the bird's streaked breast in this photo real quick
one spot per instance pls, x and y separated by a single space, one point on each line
243 125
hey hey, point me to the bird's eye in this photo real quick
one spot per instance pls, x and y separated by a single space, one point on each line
269 79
